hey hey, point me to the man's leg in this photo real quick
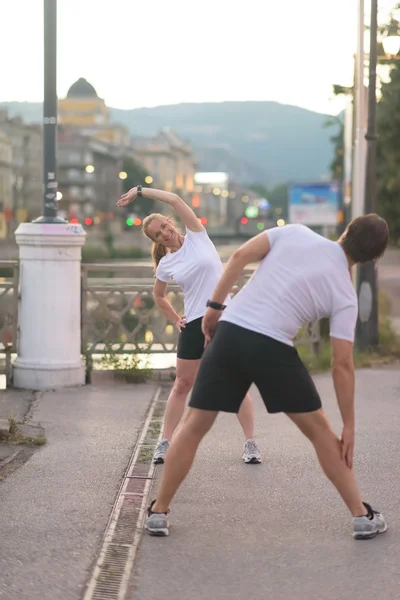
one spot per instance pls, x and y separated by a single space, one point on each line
316 427
181 454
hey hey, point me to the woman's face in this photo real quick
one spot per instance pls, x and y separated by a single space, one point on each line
162 232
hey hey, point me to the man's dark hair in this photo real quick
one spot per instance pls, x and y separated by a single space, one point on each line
366 238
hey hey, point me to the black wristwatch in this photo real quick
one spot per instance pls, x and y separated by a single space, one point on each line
215 305
139 190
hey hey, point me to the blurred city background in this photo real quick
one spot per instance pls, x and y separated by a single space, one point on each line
245 158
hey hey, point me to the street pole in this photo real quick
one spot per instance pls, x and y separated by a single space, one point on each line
358 175
367 330
50 115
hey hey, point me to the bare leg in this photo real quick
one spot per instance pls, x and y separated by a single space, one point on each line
316 427
186 371
246 417
181 454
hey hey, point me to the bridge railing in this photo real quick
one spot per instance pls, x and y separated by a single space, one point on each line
9 278
120 315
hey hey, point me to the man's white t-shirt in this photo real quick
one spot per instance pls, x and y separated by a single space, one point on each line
303 278
196 267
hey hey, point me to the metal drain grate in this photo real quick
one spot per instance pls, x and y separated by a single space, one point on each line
126 525
111 573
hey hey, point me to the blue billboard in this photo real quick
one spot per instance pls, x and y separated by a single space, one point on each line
314 204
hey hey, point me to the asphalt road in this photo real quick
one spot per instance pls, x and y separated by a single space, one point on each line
55 508
279 531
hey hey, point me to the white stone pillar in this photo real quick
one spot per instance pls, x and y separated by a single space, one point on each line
49 316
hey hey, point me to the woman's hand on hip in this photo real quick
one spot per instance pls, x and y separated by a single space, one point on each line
180 323
128 197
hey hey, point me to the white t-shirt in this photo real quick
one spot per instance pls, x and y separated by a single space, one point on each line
303 278
196 267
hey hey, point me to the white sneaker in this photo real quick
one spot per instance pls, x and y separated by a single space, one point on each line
160 452
367 527
251 453
157 523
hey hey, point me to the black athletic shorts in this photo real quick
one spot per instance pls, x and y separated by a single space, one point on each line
238 357
191 341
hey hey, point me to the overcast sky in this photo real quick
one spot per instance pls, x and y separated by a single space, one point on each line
157 52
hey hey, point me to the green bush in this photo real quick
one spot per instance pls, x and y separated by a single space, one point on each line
127 367
99 253
92 253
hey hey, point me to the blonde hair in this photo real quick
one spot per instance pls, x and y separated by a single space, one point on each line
158 251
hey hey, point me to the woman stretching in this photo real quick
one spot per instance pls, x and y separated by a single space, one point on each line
193 262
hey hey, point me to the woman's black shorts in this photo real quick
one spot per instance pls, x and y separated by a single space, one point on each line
191 341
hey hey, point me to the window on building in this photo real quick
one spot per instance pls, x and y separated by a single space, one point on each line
74 191
74 174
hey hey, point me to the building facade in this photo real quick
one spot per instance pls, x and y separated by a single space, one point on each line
83 110
169 160
88 176
6 184
27 167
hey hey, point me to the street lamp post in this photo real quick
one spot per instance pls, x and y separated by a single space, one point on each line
367 330
50 116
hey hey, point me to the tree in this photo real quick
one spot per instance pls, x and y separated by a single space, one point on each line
388 152
337 139
136 175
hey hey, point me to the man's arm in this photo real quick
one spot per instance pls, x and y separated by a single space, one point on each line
252 251
344 383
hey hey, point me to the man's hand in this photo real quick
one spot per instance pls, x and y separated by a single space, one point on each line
180 323
347 445
209 323
128 197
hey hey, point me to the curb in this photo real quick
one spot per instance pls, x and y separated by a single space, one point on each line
113 569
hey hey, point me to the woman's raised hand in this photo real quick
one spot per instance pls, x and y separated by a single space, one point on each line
128 197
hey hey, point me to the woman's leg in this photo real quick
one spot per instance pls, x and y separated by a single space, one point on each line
186 371
246 417
251 453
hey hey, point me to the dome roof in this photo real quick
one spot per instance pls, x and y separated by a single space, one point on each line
82 89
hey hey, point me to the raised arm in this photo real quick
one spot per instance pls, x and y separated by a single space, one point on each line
184 212
252 251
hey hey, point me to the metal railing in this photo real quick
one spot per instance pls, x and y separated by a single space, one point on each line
8 315
120 316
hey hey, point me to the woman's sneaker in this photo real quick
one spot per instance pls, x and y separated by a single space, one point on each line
367 527
251 453
157 523
160 452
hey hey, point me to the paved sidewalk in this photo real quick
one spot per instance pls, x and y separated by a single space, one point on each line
55 508
279 531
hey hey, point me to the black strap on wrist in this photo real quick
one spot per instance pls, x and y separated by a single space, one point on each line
139 190
215 305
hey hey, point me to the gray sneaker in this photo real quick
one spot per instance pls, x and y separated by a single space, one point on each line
365 528
157 523
160 452
251 453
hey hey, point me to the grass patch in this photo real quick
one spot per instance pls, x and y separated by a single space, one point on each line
145 455
387 352
126 367
159 410
16 437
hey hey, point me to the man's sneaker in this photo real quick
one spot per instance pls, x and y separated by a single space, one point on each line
157 523
160 452
251 454
367 527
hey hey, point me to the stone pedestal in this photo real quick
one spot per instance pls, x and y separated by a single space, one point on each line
49 319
